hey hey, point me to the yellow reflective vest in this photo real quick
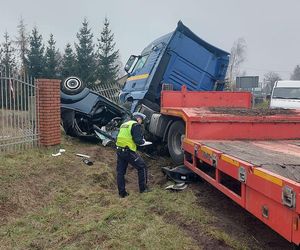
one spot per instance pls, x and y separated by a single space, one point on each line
124 137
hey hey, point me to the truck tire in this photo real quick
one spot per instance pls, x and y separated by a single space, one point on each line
175 136
72 85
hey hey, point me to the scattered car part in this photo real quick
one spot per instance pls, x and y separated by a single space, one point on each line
87 161
82 155
59 152
180 174
102 133
177 186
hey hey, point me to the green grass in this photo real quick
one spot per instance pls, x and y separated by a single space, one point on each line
60 203
263 105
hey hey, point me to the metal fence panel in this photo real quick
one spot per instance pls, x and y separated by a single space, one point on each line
110 91
18 111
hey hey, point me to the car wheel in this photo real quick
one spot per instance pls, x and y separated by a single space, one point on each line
175 137
72 85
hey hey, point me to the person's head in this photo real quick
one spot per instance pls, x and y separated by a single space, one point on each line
139 117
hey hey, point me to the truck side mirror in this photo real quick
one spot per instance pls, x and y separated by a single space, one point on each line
130 63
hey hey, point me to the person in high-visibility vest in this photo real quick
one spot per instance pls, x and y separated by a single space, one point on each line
131 135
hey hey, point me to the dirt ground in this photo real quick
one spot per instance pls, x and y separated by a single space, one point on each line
31 193
253 112
236 221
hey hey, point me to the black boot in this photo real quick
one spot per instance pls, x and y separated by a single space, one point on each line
146 190
123 195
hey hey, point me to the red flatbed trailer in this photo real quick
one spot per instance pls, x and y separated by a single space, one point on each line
252 156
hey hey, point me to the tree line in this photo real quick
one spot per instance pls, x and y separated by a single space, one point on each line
94 63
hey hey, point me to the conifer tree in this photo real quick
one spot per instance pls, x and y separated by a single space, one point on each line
68 62
52 59
8 59
85 55
22 42
296 73
36 64
107 55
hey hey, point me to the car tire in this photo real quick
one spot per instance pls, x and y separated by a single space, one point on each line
69 123
175 136
72 85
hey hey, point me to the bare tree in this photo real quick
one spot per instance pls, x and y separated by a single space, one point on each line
1 54
269 79
237 57
121 72
296 73
22 43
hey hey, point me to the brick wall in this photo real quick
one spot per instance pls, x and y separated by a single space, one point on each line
49 111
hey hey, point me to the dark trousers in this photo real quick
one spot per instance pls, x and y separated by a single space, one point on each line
125 157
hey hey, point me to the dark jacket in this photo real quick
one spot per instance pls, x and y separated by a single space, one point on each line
137 134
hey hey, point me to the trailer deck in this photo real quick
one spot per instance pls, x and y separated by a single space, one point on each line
279 157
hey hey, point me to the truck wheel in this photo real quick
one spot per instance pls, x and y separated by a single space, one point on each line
72 85
175 137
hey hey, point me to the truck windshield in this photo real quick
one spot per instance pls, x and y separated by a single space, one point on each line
141 62
286 93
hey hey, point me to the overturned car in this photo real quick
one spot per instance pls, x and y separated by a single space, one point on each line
85 113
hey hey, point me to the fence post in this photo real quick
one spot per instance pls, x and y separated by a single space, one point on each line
49 111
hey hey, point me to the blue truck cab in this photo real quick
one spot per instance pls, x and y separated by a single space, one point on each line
177 58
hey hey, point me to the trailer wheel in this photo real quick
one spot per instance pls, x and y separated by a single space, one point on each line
72 85
295 247
175 137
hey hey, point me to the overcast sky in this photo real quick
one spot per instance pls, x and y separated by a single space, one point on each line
270 27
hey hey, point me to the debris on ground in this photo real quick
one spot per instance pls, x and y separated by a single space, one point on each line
180 174
87 161
83 155
59 152
177 186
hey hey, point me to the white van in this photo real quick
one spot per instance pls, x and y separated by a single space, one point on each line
286 94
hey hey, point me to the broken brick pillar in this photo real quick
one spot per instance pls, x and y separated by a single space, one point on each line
48 108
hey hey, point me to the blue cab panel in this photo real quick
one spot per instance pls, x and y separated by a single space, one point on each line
178 58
